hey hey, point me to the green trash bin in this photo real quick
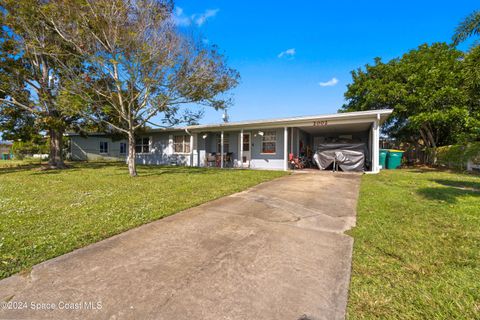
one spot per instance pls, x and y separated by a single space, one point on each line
394 159
383 158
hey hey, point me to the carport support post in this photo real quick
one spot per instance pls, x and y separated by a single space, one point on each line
241 148
376 145
221 149
285 149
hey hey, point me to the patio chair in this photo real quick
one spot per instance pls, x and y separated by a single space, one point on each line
229 159
210 160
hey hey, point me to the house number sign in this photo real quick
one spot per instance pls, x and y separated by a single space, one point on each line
320 123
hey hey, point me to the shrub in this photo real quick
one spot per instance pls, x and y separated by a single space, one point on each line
457 156
22 149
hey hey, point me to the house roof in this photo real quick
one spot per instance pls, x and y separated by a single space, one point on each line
382 115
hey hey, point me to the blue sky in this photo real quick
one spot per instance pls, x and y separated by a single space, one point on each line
321 41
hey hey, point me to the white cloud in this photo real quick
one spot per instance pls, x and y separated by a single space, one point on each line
201 18
287 53
329 83
184 20
180 19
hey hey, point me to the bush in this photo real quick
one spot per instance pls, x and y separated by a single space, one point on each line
22 149
457 156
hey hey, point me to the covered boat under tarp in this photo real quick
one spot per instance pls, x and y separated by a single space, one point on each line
348 156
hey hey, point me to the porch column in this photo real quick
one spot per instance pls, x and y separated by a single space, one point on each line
191 150
170 145
291 140
375 146
285 149
221 149
241 148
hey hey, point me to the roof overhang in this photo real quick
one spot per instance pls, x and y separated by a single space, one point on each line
326 120
305 121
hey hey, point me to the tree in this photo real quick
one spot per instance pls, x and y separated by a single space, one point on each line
31 78
138 65
472 75
467 28
425 88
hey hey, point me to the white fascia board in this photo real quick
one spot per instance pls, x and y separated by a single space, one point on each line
337 118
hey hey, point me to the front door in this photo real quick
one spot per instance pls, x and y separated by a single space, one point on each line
247 154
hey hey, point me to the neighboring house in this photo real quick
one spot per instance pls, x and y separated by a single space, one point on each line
263 144
6 152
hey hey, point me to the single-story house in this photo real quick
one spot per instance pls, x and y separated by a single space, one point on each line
262 144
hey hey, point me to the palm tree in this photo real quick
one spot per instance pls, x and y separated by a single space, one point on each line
467 28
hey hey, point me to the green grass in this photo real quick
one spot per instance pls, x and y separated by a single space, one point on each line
19 163
417 247
45 214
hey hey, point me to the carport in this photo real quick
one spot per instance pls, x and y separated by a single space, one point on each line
307 140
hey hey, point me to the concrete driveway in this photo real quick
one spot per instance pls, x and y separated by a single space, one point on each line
275 251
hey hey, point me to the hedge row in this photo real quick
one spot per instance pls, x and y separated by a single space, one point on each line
457 156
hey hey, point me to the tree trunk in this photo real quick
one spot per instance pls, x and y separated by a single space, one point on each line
429 140
132 167
56 149
434 147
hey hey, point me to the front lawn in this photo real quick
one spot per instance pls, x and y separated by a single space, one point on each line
417 247
48 213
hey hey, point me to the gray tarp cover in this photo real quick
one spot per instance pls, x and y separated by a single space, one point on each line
349 156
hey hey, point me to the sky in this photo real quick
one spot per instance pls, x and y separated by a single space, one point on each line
295 58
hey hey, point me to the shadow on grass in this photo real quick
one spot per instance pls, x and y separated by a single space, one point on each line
41 168
145 171
18 168
119 168
451 190
465 185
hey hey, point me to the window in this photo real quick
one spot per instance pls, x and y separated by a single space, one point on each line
142 145
103 147
123 148
269 142
181 144
225 143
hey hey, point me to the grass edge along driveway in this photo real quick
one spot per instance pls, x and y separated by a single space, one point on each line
45 214
416 251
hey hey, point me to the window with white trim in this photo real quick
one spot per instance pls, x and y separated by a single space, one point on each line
225 143
269 142
181 143
123 148
142 145
103 147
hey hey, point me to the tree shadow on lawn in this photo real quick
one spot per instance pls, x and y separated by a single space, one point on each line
119 168
41 168
18 168
464 185
156 170
451 190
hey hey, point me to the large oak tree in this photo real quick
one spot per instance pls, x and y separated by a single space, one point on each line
30 72
139 65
